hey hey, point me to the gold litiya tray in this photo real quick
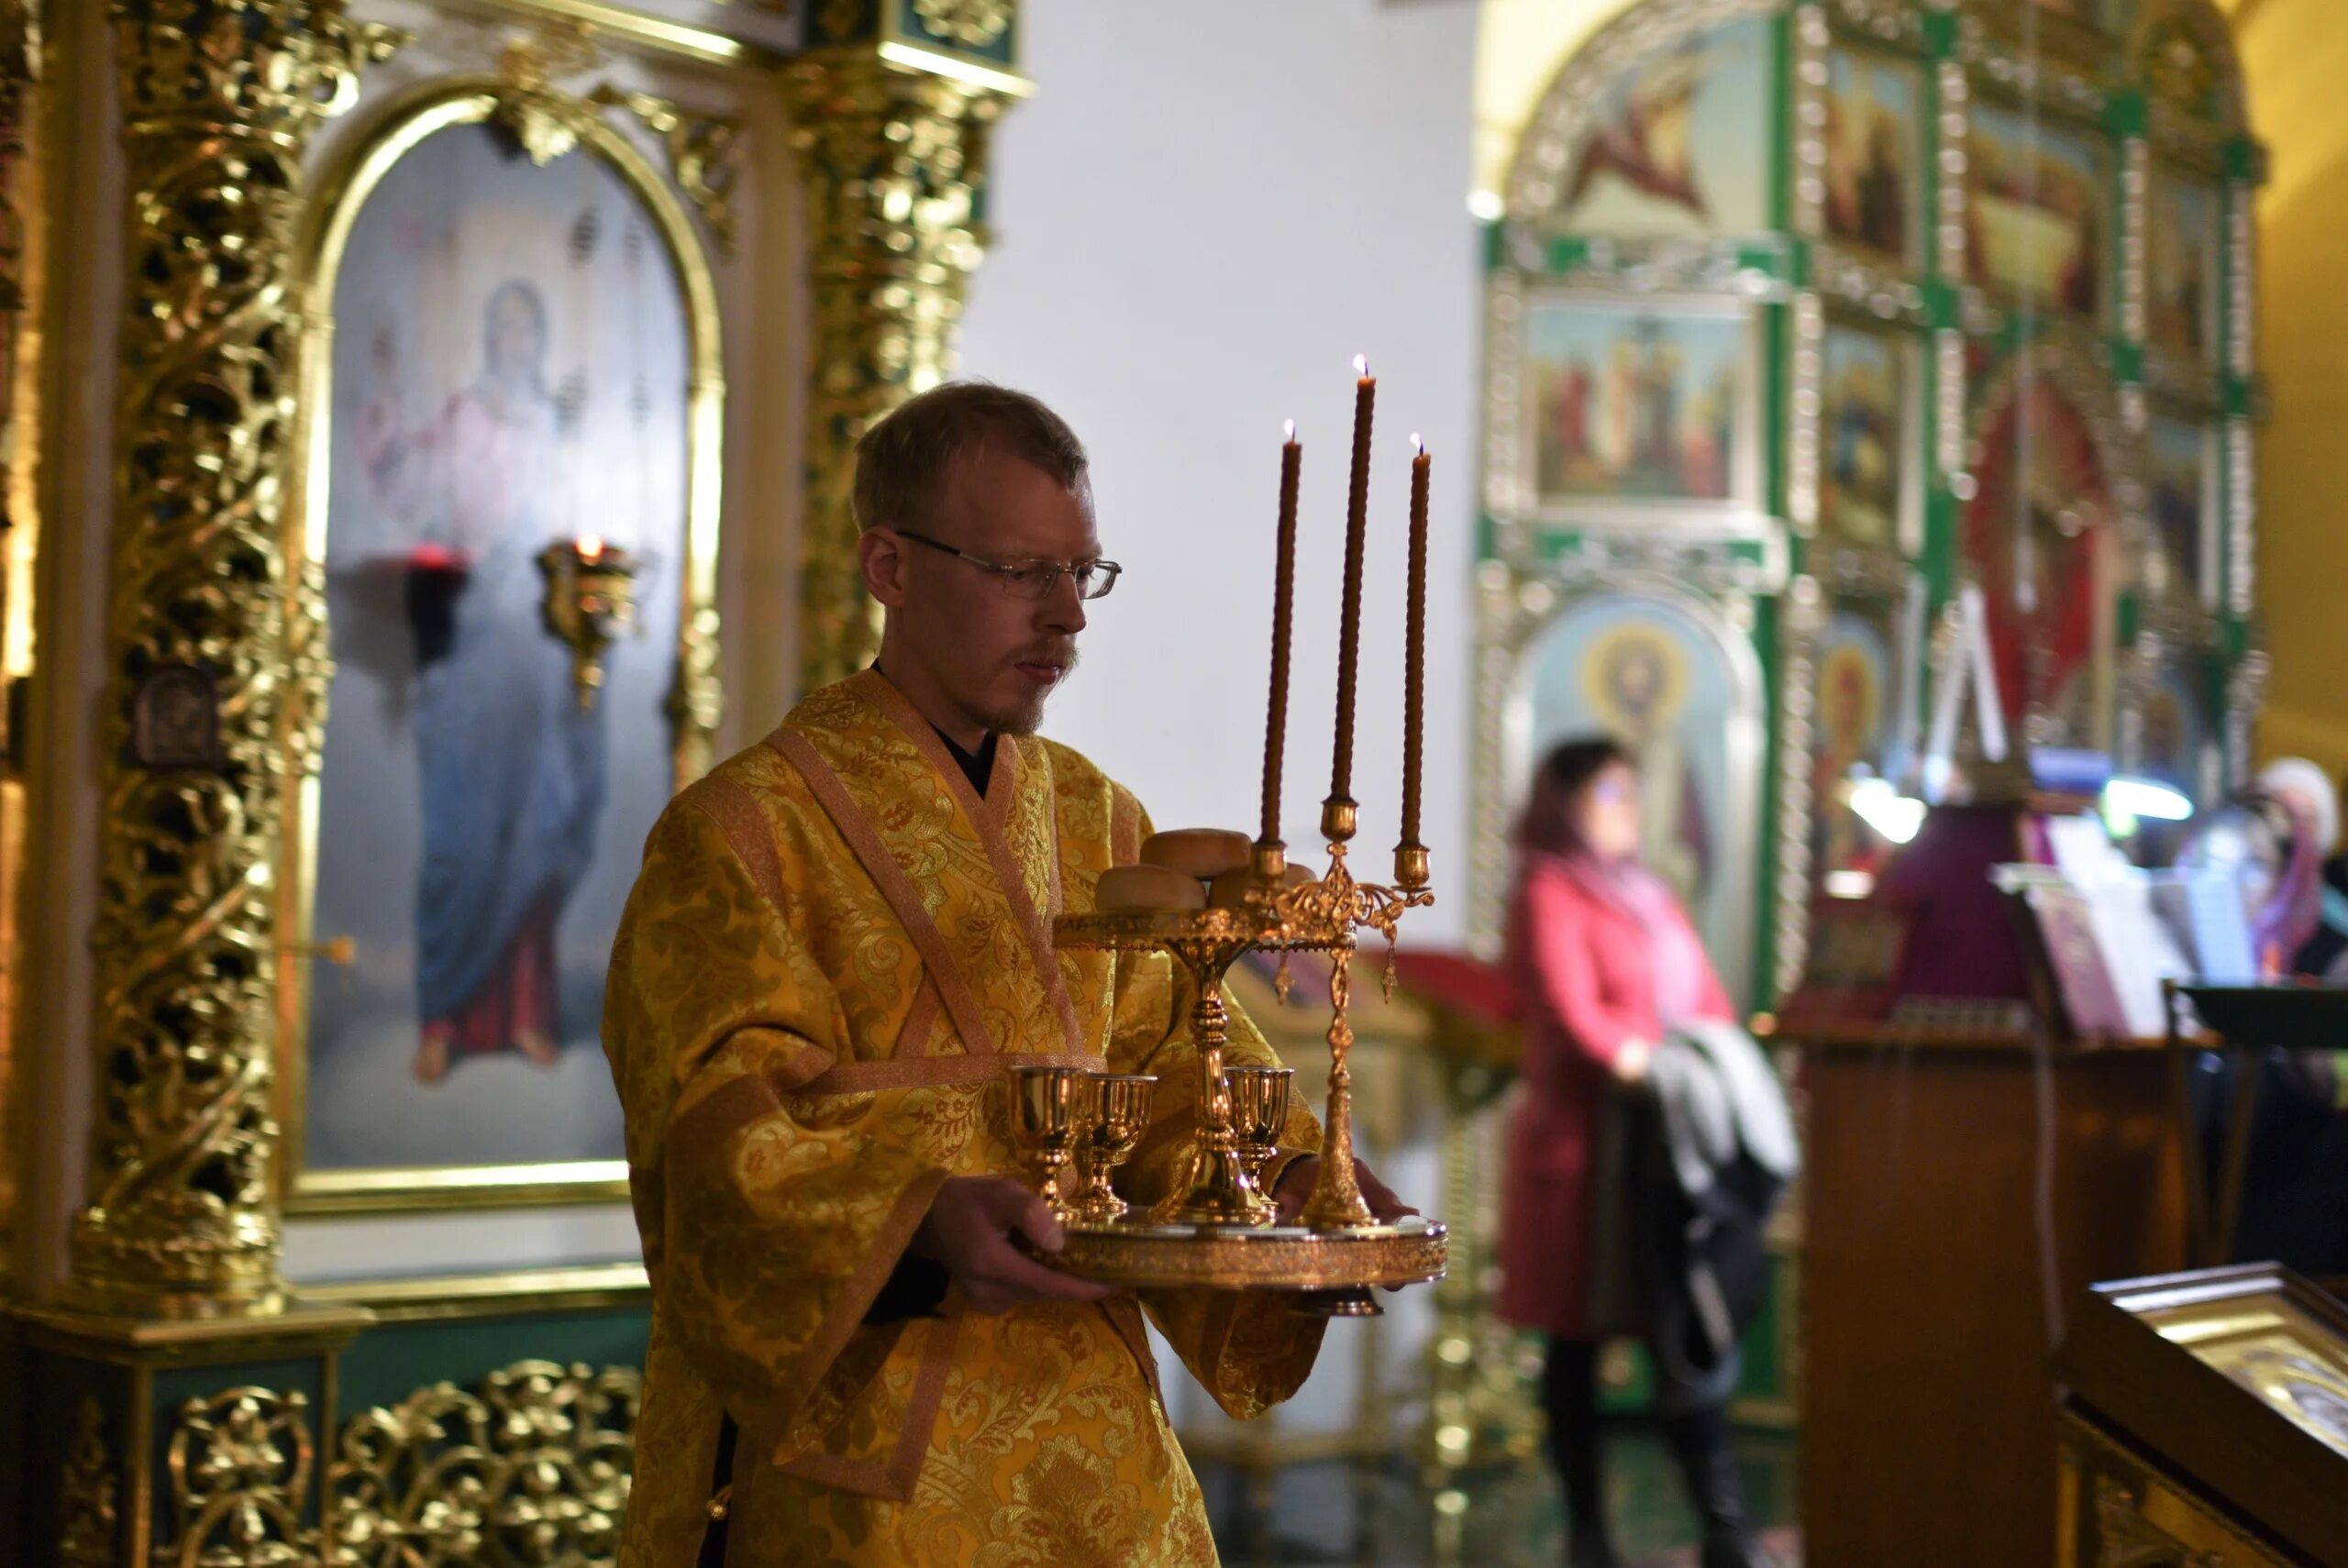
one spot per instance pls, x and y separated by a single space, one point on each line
1262 1257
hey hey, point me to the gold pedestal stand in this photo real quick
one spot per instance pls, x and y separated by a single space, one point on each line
1216 1228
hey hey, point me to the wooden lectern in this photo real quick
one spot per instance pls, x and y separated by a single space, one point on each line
1972 1167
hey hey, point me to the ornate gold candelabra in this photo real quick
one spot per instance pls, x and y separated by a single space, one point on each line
1217 1227
591 599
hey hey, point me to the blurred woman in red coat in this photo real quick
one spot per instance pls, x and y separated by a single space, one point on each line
1605 962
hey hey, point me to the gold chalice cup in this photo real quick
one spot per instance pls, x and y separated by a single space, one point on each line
1258 1113
1047 1106
1115 1113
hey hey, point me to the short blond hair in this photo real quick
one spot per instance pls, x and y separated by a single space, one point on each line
902 462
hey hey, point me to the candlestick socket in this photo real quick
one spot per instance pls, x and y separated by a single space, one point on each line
590 600
1412 869
1271 860
1339 819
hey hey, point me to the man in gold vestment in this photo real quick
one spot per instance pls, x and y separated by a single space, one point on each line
839 939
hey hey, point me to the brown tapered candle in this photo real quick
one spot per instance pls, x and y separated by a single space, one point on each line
1283 604
1349 627
1414 650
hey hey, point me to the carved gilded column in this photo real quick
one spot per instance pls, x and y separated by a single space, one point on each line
892 140
210 715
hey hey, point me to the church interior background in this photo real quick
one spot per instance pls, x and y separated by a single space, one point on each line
1786 364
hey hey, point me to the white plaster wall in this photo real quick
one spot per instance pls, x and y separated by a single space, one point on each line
1201 218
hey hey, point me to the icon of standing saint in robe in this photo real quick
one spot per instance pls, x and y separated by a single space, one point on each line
1637 687
512 764
512 368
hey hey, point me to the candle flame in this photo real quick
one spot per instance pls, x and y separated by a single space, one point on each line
1361 364
591 548
1292 429
1417 445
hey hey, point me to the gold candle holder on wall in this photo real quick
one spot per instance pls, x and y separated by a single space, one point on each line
591 599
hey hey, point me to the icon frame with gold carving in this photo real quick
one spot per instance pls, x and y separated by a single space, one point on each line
551 205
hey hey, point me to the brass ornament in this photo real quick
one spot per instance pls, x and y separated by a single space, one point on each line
590 600
542 119
1046 1120
239 1469
531 1470
1285 1257
1259 1103
219 99
1215 1226
1115 1115
704 155
88 1523
973 24
893 159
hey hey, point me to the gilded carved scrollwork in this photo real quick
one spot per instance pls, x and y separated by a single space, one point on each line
219 98
703 156
239 1470
893 160
531 1470
87 1515
973 24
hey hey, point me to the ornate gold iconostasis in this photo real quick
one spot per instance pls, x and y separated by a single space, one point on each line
406 405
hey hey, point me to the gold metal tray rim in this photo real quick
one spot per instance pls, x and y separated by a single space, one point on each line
1150 929
1264 1258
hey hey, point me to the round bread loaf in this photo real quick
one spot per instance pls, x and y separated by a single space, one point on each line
1230 890
1148 888
1203 853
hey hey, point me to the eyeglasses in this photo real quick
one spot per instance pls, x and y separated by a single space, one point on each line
1032 580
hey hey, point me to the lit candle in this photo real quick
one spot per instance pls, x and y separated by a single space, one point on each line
1415 646
1283 603
1349 628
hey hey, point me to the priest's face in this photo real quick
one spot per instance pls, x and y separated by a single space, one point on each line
964 636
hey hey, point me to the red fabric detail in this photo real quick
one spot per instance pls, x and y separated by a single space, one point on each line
1479 992
518 997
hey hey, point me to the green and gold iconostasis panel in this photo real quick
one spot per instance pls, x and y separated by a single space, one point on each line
1803 321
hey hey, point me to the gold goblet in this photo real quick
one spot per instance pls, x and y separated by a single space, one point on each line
1116 1110
1258 1113
1047 1116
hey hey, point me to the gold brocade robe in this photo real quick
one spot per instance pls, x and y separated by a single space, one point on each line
834 946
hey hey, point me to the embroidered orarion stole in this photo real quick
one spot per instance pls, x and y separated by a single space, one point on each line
833 948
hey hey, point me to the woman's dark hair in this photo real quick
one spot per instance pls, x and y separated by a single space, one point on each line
1572 765
1564 774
